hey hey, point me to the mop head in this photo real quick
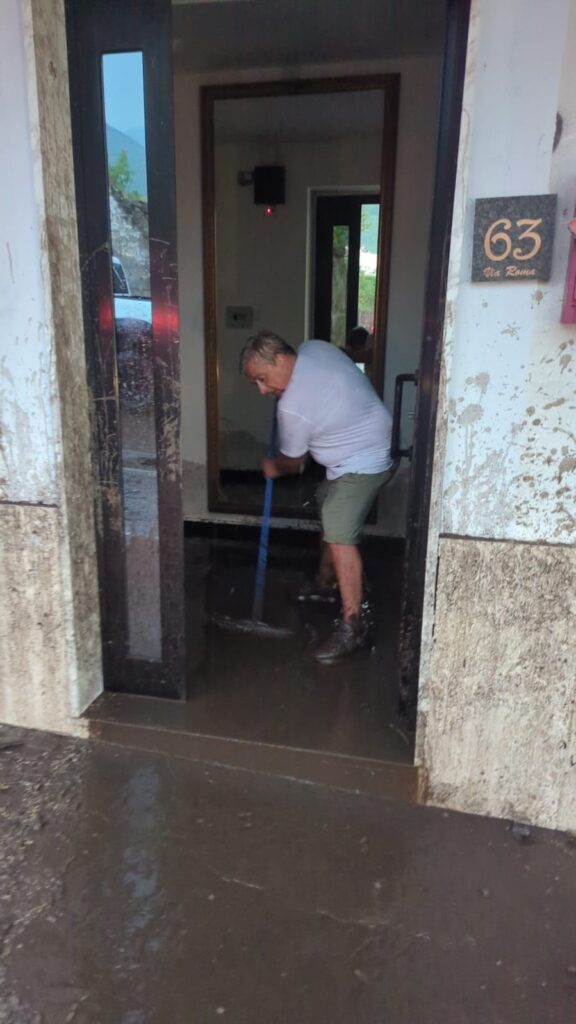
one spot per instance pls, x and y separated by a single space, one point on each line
252 626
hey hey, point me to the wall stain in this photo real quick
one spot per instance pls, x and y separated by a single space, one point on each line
481 381
554 405
471 414
10 262
517 428
568 465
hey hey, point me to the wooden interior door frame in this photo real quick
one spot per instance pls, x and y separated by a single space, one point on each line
420 486
96 27
389 84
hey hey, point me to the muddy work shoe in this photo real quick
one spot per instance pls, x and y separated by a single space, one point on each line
347 638
315 592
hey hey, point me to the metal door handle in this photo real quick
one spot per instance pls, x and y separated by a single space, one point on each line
395 451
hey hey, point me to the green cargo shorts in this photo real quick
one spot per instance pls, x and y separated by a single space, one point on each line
345 502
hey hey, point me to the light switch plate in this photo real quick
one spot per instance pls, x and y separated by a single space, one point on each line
239 316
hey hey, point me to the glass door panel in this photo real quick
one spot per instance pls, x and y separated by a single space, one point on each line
124 118
369 227
345 273
121 90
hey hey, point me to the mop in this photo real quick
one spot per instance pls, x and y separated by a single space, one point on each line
255 625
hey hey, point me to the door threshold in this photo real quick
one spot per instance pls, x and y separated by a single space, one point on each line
117 719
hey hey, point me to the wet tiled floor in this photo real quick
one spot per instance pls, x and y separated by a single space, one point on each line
141 888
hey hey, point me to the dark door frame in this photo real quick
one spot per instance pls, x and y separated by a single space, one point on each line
420 487
95 27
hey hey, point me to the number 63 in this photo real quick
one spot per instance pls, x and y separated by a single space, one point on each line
497 237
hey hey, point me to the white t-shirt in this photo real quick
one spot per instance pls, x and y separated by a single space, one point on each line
331 410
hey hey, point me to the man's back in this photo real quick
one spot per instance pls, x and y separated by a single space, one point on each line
331 409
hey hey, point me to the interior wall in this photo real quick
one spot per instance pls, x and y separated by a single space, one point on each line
262 262
413 195
497 730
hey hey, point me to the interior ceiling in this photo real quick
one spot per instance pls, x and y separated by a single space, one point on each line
229 35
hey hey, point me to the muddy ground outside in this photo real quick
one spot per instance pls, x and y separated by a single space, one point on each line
142 888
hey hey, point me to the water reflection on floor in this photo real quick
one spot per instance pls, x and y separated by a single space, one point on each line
141 888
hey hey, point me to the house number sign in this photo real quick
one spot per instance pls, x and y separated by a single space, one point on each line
513 238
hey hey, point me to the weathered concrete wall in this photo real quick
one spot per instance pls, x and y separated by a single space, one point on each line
56 203
497 696
499 716
46 432
33 672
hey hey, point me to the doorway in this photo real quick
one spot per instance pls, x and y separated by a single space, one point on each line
219 549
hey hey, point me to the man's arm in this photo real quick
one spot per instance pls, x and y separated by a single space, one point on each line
282 465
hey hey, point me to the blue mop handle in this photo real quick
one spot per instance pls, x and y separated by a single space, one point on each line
264 531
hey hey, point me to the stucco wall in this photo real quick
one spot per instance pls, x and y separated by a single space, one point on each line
50 646
497 684
510 365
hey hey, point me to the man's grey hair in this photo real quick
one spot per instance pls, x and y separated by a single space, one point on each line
265 346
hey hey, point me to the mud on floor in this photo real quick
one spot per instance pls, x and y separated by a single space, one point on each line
142 889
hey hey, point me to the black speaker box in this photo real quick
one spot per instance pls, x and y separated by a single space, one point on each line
269 185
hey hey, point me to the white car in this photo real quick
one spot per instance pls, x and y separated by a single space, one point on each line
133 326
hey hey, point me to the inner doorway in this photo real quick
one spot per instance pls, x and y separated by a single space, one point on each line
219 545
345 273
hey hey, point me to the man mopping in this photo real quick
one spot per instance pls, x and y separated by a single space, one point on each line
327 408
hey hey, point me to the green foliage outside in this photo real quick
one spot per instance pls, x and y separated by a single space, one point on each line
366 292
120 175
366 283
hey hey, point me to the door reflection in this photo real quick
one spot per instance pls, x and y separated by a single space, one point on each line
123 98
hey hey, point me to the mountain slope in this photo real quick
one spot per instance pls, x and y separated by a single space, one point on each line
115 142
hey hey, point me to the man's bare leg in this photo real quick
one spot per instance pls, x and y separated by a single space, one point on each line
350 635
326 576
324 587
347 563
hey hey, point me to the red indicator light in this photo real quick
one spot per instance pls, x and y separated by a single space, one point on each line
164 320
105 318
268 211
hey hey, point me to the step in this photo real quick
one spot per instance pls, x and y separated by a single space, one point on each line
117 719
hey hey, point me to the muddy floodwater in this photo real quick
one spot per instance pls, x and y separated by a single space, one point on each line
271 690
